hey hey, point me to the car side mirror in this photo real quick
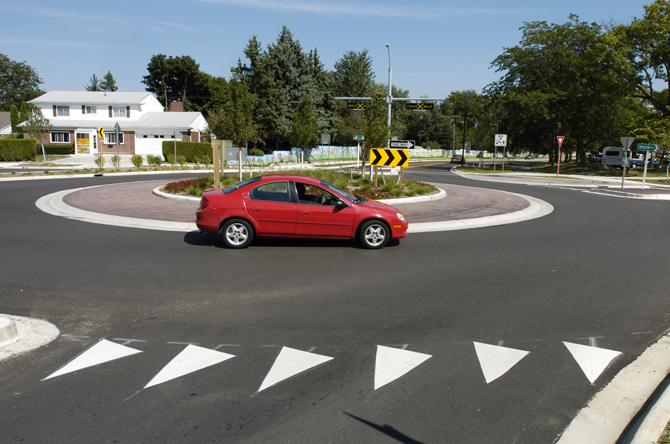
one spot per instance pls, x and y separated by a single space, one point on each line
341 204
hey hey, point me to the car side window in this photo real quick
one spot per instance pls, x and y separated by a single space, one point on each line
271 192
313 195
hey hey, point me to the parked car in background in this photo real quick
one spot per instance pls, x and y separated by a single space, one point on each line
294 206
458 159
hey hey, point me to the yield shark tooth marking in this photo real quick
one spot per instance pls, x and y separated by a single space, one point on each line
291 362
103 351
191 359
592 360
392 363
496 360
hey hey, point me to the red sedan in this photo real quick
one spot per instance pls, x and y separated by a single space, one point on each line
281 205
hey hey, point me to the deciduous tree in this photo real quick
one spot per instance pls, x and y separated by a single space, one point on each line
18 82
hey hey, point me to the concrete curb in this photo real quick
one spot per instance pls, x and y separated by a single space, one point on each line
53 204
8 331
402 200
32 333
610 411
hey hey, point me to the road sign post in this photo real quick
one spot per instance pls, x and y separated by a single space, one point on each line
358 150
560 140
499 140
647 148
101 141
626 142
117 134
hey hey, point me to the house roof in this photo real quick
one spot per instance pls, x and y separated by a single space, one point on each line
5 119
92 97
149 121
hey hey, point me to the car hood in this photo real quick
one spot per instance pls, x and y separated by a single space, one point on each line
375 204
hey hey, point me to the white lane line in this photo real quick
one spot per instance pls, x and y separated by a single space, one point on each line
393 363
103 351
496 360
191 359
289 363
592 360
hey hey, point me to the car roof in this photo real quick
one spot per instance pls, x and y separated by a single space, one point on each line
294 177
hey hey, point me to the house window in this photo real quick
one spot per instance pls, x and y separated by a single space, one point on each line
62 111
111 138
119 111
91 109
60 137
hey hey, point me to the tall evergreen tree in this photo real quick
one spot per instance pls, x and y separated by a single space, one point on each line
353 76
304 130
108 82
14 118
94 84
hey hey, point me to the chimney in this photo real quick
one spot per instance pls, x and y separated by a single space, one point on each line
177 107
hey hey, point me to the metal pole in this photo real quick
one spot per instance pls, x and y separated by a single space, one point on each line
389 99
174 136
644 176
358 154
465 116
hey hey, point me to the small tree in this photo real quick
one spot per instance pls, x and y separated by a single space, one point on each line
108 82
38 127
23 114
304 131
14 118
94 84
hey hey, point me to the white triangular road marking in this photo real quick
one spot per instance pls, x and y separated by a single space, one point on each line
191 359
592 360
495 360
291 362
392 363
103 351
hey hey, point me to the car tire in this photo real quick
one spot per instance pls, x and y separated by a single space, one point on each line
236 233
374 234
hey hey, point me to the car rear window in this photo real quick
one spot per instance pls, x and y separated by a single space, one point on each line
241 184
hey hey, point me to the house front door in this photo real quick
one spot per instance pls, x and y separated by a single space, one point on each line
84 142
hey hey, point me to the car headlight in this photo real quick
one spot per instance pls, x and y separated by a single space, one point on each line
401 217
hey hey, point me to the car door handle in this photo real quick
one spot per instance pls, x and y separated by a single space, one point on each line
256 210
304 212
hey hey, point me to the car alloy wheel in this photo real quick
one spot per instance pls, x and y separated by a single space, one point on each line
237 233
374 234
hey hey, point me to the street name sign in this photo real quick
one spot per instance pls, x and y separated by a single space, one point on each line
359 137
389 157
646 147
402 144
501 140
419 106
356 105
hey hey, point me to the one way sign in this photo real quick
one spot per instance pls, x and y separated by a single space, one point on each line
402 144
389 157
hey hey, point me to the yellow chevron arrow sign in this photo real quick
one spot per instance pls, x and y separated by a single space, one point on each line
389 157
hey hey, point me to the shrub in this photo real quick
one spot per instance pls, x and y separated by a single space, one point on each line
116 160
181 159
13 150
154 160
190 150
256 152
56 150
170 159
137 160
100 161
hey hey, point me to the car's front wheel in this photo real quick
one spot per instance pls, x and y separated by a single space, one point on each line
374 234
237 233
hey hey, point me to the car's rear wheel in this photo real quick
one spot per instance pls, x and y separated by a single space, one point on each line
374 234
237 233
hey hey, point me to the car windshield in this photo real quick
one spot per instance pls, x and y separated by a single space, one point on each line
358 200
241 184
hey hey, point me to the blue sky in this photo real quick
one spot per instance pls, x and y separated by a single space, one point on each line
436 46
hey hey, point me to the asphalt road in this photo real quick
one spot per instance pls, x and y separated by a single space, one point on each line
592 272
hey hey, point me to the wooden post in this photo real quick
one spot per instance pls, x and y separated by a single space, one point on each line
216 163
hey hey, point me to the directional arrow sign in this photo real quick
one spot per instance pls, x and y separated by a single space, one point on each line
389 157
646 147
403 144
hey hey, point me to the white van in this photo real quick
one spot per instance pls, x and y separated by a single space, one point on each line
614 156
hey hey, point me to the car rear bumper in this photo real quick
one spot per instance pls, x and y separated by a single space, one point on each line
206 222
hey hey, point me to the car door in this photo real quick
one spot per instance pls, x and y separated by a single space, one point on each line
271 207
318 215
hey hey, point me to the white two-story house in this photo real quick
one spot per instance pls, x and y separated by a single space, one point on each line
75 117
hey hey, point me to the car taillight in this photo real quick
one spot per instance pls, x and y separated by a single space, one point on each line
203 203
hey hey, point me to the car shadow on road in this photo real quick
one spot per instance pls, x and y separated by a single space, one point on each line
199 239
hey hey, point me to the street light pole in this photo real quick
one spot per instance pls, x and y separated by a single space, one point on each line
389 99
